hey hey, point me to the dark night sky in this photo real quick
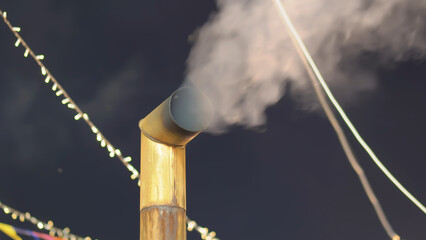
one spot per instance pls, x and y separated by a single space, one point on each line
118 60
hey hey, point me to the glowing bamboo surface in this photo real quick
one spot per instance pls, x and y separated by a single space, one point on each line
163 191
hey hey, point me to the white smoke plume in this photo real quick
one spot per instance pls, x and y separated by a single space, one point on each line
243 58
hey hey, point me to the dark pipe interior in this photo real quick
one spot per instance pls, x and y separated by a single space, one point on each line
190 109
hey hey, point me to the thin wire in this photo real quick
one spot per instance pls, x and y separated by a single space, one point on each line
353 161
348 150
319 77
204 232
342 138
49 226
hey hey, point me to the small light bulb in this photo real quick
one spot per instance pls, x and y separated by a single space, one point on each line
43 71
14 216
47 79
17 42
103 144
22 217
112 154
40 57
118 152
99 137
191 225
54 87
94 129
72 106
127 159
130 167
59 93
85 116
110 148
6 210
16 29
4 14
40 225
77 117
65 101
26 52
203 231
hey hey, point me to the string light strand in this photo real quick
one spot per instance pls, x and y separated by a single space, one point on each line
204 232
67 100
65 233
49 226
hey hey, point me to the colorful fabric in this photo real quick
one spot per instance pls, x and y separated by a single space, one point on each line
13 232
26 233
44 236
9 231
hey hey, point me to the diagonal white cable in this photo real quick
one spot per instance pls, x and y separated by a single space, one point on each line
347 148
345 118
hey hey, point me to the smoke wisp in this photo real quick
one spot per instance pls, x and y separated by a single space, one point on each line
243 58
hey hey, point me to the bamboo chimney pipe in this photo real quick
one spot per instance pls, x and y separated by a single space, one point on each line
165 133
